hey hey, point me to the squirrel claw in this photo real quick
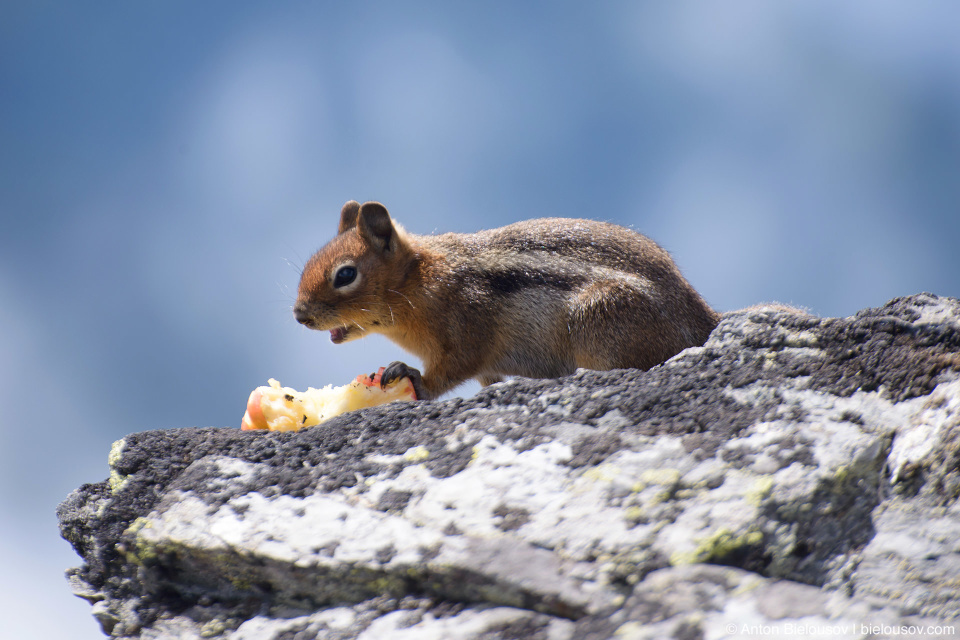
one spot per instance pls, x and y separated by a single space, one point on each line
399 369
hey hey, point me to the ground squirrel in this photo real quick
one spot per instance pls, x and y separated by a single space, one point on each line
537 298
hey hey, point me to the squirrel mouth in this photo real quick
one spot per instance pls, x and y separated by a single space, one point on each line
338 335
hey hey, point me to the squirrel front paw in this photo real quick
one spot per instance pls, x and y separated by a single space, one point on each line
399 369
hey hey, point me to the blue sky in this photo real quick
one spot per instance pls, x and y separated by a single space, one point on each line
166 168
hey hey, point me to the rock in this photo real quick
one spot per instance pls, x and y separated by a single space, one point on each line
794 476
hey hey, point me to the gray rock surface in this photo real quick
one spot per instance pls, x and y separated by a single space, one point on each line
794 477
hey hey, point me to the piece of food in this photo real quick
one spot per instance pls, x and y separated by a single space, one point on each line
284 409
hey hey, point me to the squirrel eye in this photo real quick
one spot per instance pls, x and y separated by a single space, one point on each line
344 276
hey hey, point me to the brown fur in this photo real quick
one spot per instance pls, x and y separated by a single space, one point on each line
537 298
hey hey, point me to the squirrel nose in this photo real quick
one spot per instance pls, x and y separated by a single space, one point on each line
301 314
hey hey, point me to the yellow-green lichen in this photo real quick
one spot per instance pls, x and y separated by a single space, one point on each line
841 474
142 551
240 584
137 525
416 454
212 628
635 515
116 481
720 544
385 584
116 450
802 339
628 566
663 477
604 473
667 479
760 491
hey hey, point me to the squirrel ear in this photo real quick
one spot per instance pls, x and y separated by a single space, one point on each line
348 216
375 225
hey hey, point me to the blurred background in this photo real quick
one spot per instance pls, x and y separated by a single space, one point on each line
167 168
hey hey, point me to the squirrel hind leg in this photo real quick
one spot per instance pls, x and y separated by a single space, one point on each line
617 324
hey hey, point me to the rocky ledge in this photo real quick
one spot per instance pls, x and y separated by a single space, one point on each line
795 476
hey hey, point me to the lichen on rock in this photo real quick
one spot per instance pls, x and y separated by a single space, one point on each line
793 470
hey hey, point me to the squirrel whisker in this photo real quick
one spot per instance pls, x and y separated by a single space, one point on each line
412 306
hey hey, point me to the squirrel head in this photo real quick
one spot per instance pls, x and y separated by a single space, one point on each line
345 285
